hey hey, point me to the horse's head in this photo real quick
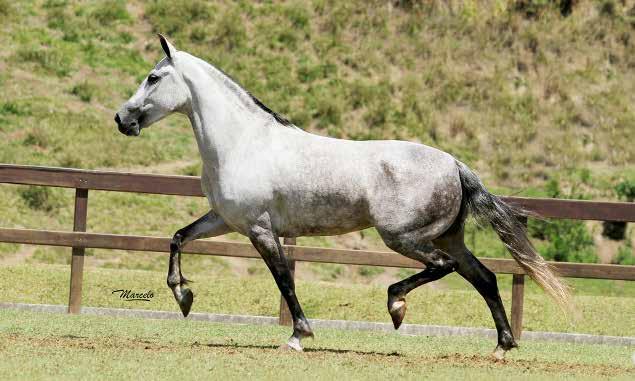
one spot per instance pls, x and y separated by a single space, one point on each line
160 94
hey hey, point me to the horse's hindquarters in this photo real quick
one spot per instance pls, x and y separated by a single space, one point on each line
423 193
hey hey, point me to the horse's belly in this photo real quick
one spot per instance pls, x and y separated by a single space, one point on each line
330 205
330 216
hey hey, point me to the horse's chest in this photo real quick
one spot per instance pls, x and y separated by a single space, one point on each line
235 196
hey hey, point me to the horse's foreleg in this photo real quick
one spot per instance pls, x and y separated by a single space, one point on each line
268 245
209 225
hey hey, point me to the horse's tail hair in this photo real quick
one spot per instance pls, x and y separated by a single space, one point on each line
505 219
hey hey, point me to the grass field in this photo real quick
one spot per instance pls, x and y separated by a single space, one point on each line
44 346
217 291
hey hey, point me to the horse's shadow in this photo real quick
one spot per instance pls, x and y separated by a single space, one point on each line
309 350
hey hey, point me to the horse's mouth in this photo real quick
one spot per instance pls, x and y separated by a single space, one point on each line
131 129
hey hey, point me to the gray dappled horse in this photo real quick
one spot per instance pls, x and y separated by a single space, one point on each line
266 178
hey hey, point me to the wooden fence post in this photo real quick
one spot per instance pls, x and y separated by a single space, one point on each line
77 259
285 315
518 298
518 293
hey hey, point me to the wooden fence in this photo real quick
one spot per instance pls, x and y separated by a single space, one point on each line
79 239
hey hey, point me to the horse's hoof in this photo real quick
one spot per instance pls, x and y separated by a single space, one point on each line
187 298
397 312
506 341
292 345
499 353
303 329
288 348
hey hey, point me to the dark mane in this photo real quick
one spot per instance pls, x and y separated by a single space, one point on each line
279 118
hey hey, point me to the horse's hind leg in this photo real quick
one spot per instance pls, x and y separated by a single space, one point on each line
438 264
470 268
209 225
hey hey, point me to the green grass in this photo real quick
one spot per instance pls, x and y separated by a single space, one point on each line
218 292
44 346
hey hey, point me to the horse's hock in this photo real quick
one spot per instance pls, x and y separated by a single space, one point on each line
84 180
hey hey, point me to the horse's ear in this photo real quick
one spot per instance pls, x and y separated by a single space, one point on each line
167 47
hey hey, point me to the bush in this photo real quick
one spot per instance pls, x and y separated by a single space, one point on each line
625 255
40 198
85 91
5 7
567 240
625 190
171 17
14 108
111 11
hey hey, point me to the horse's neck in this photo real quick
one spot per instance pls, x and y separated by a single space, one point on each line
220 120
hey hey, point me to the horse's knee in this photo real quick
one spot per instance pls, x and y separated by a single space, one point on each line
395 289
177 241
173 280
439 261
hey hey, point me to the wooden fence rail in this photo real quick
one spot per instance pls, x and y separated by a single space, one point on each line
78 239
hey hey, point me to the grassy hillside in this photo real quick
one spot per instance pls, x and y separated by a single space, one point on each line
523 94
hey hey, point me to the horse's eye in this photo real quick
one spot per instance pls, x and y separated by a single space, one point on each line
152 79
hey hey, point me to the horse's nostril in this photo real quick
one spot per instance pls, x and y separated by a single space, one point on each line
117 120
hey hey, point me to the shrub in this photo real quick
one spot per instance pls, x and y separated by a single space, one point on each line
14 108
171 17
625 255
567 240
110 11
5 7
40 198
625 190
85 91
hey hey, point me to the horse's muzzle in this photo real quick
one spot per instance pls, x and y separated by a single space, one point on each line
131 129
